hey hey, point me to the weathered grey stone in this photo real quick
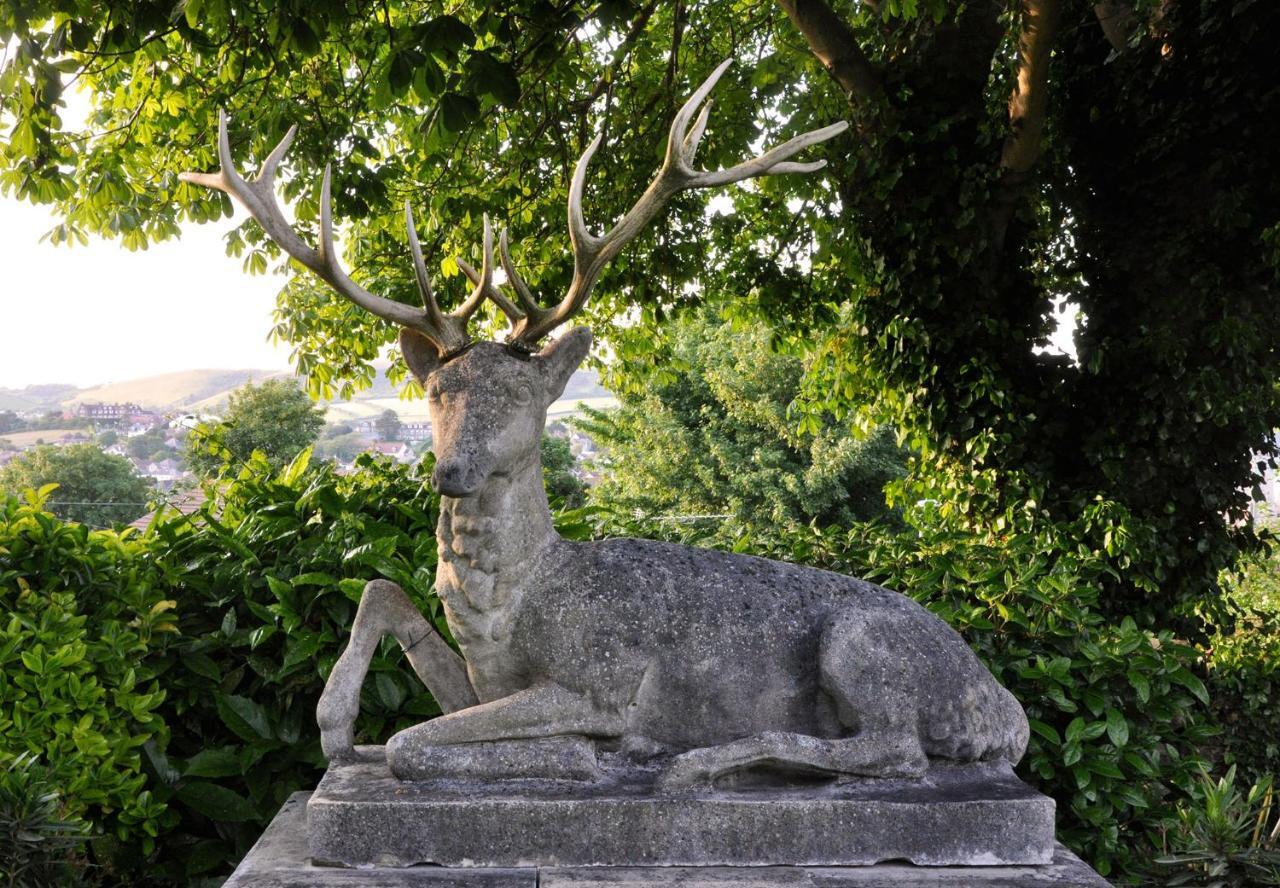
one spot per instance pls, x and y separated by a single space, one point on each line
279 860
712 663
978 814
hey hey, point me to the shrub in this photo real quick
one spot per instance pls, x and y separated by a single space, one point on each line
38 846
1244 664
81 618
1244 680
1225 838
268 573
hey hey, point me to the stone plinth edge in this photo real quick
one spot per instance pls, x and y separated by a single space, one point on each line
981 814
280 860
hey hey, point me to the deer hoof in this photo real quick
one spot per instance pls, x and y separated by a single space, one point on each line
687 771
338 744
336 722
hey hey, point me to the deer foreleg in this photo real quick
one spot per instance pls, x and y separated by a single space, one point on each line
540 713
385 610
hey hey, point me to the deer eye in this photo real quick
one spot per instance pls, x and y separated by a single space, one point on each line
522 393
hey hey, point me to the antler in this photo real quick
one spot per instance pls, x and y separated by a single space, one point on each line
446 331
530 322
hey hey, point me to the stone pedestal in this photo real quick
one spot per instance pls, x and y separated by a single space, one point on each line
977 814
280 859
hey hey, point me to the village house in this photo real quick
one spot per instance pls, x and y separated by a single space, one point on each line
397 450
107 414
414 432
165 472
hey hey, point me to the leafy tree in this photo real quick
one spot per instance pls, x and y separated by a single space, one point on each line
563 486
10 422
389 426
55 419
711 440
148 445
94 488
276 418
1118 154
107 438
344 447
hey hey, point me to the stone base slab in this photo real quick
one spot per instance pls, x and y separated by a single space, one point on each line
982 815
280 859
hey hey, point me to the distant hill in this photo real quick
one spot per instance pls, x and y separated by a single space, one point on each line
207 391
583 386
172 391
46 396
10 401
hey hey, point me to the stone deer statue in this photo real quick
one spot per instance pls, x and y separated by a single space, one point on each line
705 663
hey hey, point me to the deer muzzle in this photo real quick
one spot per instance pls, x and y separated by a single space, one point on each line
457 477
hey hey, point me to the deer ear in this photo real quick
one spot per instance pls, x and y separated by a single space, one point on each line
419 354
560 358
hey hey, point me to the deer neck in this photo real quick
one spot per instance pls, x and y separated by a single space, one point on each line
487 544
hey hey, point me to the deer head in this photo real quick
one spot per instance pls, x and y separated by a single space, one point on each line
487 400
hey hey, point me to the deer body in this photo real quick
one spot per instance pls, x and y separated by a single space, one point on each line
721 661
707 662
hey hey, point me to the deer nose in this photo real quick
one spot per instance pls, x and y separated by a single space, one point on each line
455 477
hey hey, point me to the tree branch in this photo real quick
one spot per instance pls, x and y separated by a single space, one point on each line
835 45
1116 19
628 43
1029 101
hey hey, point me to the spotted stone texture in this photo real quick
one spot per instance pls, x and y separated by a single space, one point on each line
718 667
280 860
977 814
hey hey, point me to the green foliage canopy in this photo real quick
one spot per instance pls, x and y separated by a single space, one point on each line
276 418
94 488
1131 174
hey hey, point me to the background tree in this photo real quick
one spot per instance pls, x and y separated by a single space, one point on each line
150 445
712 438
276 418
94 488
564 487
342 447
388 426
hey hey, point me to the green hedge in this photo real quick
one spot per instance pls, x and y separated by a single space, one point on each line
268 572
1244 680
83 621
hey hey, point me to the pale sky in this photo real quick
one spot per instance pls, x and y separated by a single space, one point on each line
95 314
